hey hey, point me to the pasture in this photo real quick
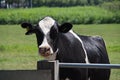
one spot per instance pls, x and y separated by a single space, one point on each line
18 51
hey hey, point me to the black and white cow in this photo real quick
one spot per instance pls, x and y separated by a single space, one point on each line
59 42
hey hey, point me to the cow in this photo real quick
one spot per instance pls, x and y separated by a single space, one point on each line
59 42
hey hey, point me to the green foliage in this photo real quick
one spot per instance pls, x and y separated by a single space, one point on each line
55 3
64 3
112 6
75 15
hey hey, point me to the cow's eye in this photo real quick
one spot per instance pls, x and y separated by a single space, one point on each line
53 33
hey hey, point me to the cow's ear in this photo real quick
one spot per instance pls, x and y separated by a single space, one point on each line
28 27
65 27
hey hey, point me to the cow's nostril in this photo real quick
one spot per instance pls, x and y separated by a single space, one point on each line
47 49
43 50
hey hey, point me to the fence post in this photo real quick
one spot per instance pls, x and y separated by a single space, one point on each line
49 65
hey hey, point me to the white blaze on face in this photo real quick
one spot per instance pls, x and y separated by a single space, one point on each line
46 25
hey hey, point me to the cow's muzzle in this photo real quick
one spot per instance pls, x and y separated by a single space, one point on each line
44 51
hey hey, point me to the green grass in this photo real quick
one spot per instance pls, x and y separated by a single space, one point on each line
18 51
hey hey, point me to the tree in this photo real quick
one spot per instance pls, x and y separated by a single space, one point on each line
0 3
89 2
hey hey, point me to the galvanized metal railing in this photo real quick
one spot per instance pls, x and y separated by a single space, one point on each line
83 65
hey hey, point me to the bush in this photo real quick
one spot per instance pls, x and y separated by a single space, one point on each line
112 6
75 15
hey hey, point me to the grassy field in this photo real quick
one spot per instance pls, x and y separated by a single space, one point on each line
18 51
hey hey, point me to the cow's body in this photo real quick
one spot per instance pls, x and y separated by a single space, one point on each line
64 45
73 52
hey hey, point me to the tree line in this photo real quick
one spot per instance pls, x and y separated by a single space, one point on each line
62 3
50 3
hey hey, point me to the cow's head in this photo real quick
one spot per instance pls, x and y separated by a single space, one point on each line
47 31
